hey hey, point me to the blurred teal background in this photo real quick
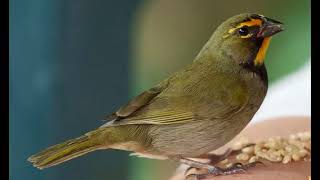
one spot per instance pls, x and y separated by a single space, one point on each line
68 69
73 62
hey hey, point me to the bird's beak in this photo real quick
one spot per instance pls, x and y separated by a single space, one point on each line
269 28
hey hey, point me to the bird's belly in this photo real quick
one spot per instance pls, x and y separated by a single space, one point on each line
197 138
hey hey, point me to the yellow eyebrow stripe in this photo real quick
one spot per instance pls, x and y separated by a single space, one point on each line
252 22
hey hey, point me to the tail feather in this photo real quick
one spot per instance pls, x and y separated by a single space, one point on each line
67 150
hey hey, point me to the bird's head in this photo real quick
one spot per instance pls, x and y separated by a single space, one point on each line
244 38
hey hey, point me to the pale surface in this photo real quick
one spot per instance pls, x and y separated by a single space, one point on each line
275 171
290 95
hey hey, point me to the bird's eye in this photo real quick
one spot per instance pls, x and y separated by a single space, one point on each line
243 31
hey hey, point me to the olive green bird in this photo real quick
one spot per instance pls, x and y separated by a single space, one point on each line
195 110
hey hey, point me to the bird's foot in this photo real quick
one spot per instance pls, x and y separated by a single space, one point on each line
234 169
198 174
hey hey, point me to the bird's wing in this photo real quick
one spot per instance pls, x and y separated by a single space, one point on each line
159 106
172 113
146 109
137 103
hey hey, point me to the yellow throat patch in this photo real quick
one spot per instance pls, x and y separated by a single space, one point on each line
262 51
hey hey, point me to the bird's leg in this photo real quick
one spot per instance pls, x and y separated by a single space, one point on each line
216 158
214 170
199 165
196 164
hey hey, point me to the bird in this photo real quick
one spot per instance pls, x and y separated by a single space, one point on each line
193 111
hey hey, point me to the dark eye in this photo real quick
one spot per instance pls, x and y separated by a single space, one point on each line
243 31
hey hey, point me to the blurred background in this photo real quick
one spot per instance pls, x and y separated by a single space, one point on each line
74 62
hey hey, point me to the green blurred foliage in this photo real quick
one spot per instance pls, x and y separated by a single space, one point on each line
168 34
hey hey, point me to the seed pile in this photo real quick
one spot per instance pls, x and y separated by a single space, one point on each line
276 149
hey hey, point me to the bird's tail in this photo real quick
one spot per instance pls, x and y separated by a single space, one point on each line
70 149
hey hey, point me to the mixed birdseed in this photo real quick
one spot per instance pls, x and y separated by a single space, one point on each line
276 149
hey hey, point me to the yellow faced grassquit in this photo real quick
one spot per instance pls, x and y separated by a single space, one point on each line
195 110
